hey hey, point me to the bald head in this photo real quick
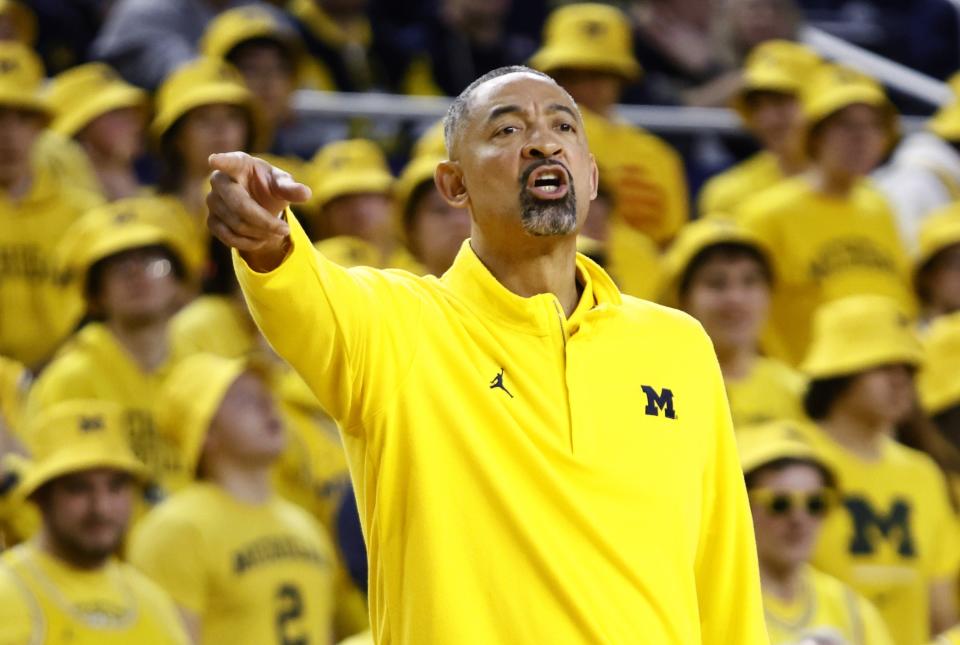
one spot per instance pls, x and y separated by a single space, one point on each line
457 113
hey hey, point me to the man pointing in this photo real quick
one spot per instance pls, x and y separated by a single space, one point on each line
537 458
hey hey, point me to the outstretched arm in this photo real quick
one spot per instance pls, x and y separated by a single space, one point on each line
324 320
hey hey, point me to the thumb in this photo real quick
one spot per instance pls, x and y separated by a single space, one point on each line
283 186
234 164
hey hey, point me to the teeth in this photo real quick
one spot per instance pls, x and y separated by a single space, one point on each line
549 176
549 188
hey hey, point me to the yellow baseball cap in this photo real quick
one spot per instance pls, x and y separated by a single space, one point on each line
21 78
236 26
428 151
831 88
81 94
776 66
204 81
937 380
938 231
945 122
693 239
857 333
189 399
74 436
119 226
347 168
587 36
766 443
23 19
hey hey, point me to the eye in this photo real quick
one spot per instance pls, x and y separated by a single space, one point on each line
508 129
565 127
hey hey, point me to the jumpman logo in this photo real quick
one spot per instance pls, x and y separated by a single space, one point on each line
497 382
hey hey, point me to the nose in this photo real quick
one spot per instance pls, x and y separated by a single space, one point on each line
541 148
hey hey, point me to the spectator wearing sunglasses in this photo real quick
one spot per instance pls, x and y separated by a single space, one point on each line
791 491
894 536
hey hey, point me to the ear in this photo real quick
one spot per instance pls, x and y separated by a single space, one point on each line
449 180
594 178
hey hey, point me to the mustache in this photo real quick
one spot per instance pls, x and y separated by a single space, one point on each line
529 170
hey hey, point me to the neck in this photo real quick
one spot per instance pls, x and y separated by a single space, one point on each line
783 582
116 175
859 437
836 184
735 361
193 194
790 163
526 271
48 544
248 484
148 343
18 184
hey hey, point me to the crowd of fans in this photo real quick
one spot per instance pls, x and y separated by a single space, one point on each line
143 416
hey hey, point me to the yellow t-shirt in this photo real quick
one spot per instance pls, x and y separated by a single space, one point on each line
93 365
44 600
38 310
769 392
14 382
824 248
630 157
67 161
633 261
599 473
725 193
893 534
825 606
949 637
252 573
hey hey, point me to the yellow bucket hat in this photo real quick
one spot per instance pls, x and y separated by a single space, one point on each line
190 398
587 36
765 443
119 226
776 66
347 168
241 24
857 333
204 81
428 151
945 122
74 436
937 380
938 231
694 238
81 94
23 19
21 78
831 87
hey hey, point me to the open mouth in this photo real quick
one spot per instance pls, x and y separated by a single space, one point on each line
548 182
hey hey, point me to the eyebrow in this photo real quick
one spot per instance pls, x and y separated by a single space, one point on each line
513 109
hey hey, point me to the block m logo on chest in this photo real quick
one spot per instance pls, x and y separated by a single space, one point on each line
658 402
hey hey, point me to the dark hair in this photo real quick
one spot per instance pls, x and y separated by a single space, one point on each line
453 121
821 394
727 251
785 462
287 51
948 423
416 196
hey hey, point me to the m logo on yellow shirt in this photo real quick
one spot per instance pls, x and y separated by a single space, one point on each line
658 402
867 523
89 424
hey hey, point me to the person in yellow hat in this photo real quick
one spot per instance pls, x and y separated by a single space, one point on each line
202 108
587 48
249 566
66 584
518 422
721 274
133 269
768 103
831 234
923 173
17 22
936 265
107 116
937 379
433 230
791 491
352 201
35 210
895 538
262 43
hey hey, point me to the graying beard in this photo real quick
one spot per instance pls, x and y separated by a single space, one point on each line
544 218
